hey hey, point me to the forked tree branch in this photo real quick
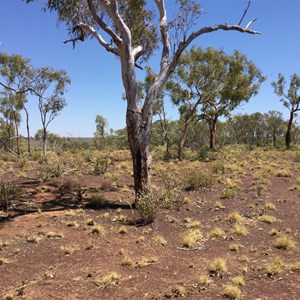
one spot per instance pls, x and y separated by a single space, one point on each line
184 44
103 25
112 9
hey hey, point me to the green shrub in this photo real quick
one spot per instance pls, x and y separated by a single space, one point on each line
22 162
7 156
203 154
198 181
49 171
227 193
100 165
147 207
189 154
218 167
37 156
297 157
8 192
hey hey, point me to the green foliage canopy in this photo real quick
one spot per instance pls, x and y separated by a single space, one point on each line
215 80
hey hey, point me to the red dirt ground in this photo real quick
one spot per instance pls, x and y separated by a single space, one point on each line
45 222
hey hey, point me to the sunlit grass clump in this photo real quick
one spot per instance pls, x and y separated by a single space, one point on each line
235 217
216 232
98 229
267 219
232 292
109 280
284 242
191 238
218 267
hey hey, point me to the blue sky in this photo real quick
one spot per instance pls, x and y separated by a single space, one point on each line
96 78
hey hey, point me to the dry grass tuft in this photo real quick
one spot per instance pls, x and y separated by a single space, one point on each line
34 238
284 242
218 267
238 281
109 280
274 267
67 249
160 240
232 292
98 229
179 291
216 232
191 238
235 217
267 219
240 229
4 261
145 261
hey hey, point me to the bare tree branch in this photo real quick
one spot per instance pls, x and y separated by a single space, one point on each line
245 12
98 37
103 25
251 21
164 32
184 44
112 9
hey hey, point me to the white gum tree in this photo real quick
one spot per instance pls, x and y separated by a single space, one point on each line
133 30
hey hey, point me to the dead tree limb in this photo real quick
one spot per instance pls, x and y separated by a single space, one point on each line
245 12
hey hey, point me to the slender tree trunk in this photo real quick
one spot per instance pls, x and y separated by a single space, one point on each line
165 133
212 133
288 135
28 131
8 129
274 138
17 138
182 142
44 141
184 136
16 123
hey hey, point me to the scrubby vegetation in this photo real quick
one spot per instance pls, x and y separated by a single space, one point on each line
82 227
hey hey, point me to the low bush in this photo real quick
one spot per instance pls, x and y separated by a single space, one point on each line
8 192
48 171
218 167
147 207
228 193
198 181
100 165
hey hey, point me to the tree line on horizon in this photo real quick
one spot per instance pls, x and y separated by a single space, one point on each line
207 85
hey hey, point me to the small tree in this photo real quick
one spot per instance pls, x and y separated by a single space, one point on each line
290 99
214 81
50 87
16 77
274 125
99 134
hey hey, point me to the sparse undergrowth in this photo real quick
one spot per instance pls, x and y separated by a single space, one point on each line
101 247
